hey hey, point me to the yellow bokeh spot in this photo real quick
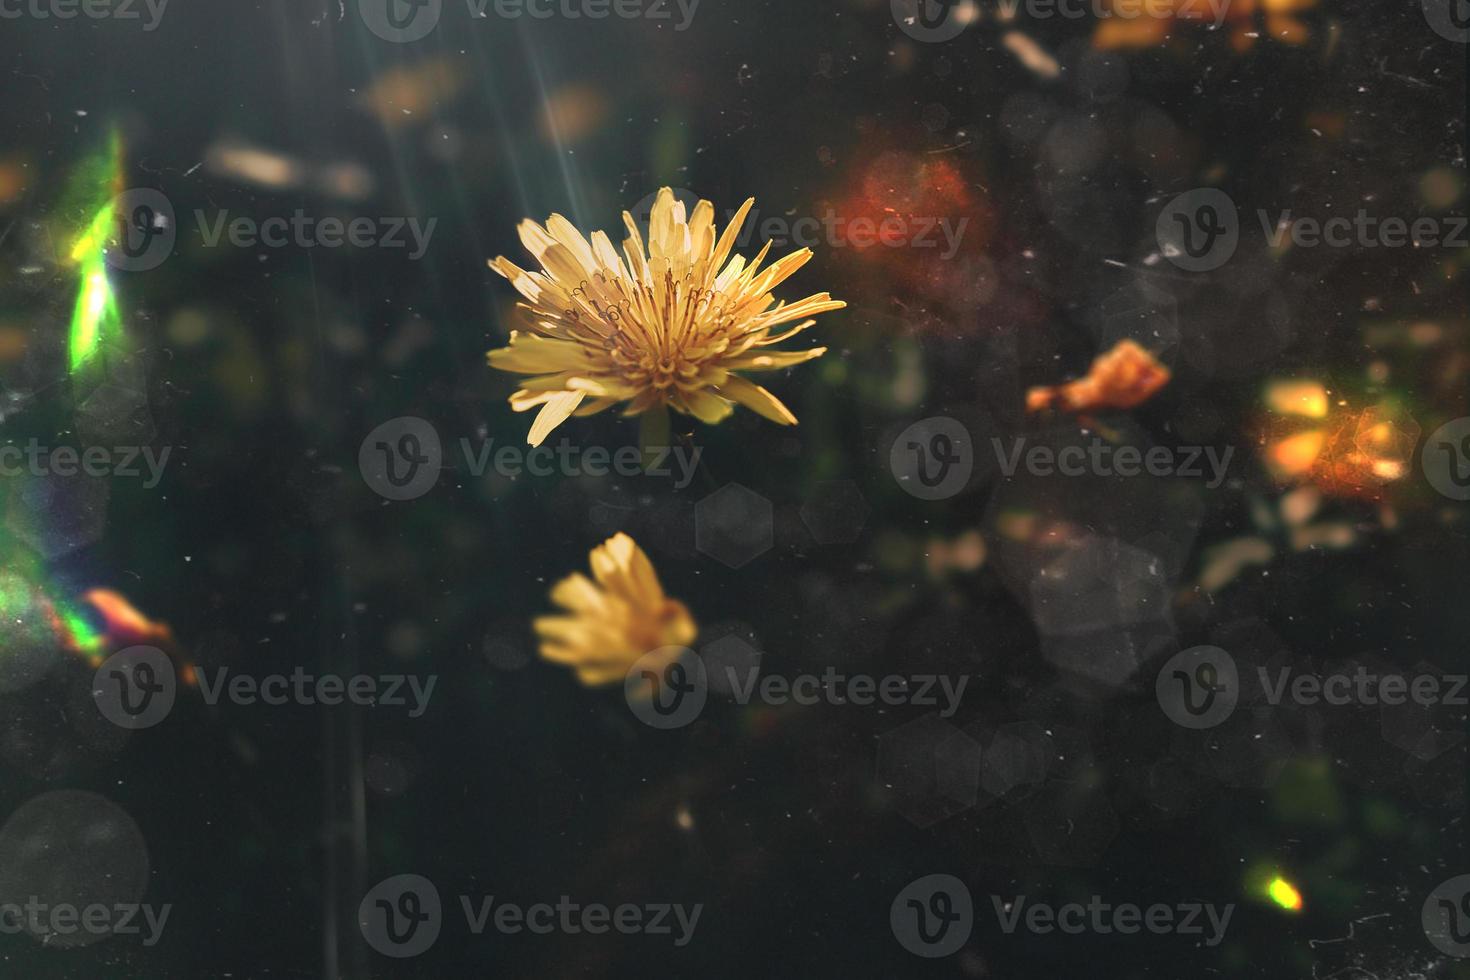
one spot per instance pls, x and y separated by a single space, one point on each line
1306 398
1284 894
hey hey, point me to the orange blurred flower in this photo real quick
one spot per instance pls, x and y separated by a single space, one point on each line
1123 377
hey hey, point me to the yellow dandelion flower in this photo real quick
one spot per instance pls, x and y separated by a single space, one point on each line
666 328
612 622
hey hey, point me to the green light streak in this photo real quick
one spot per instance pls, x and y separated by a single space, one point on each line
95 315
84 637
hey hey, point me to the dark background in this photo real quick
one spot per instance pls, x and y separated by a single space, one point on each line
264 550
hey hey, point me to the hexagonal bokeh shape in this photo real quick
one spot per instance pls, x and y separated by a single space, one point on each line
835 512
734 525
1424 726
929 769
58 514
116 416
1097 584
1016 757
126 367
1386 436
1102 608
730 660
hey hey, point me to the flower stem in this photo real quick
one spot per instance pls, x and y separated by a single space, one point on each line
653 433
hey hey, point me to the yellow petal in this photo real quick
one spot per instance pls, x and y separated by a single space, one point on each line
773 360
705 405
757 399
594 406
567 234
552 414
530 354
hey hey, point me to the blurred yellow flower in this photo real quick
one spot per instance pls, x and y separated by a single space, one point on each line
666 328
614 621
